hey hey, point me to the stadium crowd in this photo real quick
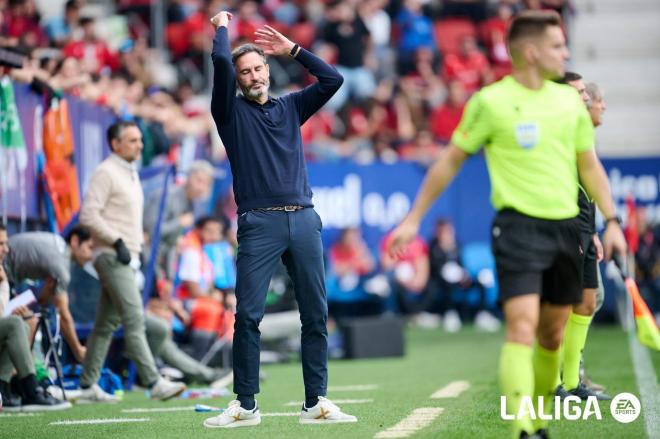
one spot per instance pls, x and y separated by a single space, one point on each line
409 66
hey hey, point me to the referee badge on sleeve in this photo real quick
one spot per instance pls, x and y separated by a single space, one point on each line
527 134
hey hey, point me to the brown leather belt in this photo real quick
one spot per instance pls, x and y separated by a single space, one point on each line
282 208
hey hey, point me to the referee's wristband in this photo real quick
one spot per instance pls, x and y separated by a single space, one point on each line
615 219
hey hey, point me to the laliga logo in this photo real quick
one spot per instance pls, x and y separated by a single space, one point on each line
569 408
625 408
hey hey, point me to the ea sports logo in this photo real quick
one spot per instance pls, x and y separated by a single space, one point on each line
625 407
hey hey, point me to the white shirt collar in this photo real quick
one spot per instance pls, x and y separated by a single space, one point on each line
131 166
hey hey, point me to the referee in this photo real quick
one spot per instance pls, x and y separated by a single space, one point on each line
577 327
537 136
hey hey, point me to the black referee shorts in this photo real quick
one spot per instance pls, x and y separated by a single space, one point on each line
590 268
534 255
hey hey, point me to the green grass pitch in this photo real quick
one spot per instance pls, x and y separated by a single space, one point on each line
433 359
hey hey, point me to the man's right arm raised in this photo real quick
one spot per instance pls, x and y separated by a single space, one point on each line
224 78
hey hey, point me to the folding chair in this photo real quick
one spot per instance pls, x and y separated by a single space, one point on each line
51 344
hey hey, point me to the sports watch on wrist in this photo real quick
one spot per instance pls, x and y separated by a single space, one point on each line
615 218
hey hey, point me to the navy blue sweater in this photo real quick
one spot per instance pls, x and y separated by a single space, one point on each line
263 142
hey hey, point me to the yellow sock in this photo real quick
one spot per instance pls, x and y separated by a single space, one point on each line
575 337
546 368
517 380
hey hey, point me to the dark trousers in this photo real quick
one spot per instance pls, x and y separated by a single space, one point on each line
263 238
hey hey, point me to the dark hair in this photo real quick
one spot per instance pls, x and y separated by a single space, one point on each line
3 227
121 75
80 231
345 230
244 49
531 24
569 77
440 222
115 130
84 21
203 221
14 3
71 4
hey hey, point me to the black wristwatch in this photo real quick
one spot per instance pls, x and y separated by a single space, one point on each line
615 218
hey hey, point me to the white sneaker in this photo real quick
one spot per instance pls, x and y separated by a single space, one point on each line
235 416
452 321
165 389
426 320
71 395
171 373
378 285
485 321
94 393
324 412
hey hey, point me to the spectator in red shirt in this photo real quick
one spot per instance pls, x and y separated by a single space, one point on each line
350 263
350 254
90 50
493 34
408 274
21 24
317 135
248 21
446 117
469 66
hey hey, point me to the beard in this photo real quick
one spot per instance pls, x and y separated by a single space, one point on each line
251 93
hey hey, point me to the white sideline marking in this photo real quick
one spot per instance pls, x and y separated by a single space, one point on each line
18 414
336 401
418 419
451 390
282 414
160 410
355 388
191 408
647 382
99 421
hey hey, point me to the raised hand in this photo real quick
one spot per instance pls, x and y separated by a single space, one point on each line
221 19
273 42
